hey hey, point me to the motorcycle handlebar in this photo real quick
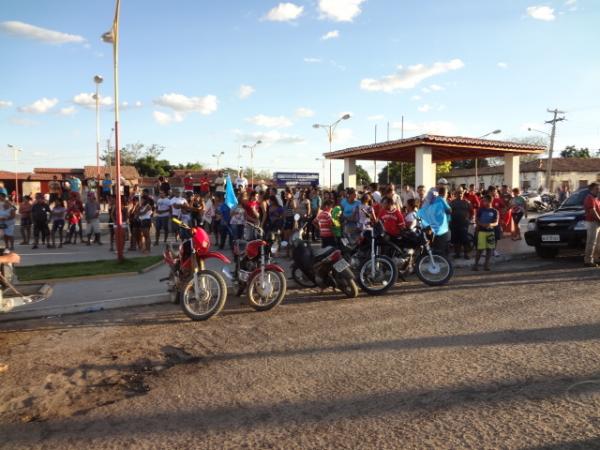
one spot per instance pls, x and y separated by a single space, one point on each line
180 223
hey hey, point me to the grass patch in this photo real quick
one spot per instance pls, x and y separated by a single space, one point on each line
84 268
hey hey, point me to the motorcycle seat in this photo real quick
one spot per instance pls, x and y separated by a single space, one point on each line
323 253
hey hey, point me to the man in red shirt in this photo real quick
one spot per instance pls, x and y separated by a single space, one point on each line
204 185
592 222
325 223
188 182
472 198
392 218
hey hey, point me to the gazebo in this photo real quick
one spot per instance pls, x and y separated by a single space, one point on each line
426 150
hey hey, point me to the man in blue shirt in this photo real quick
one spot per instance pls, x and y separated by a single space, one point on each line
350 206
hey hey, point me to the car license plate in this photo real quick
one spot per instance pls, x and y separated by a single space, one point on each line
341 265
550 238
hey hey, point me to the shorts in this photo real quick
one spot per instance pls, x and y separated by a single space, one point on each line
162 223
486 240
145 224
93 226
104 195
288 224
58 225
25 221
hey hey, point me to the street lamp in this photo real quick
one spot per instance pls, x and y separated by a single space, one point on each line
476 160
329 129
16 151
218 158
539 131
112 37
252 147
97 80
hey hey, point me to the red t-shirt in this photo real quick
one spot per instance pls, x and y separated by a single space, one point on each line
393 221
590 203
498 203
251 208
204 185
377 209
473 199
188 183
325 224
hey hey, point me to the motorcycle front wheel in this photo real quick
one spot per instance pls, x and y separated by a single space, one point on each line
210 299
434 272
380 280
267 292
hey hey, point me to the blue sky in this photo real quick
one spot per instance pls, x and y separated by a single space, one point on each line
467 67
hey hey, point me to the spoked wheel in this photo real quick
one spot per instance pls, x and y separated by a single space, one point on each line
212 293
434 271
174 294
266 292
301 279
381 279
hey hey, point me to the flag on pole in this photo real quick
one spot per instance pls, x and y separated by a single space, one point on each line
230 198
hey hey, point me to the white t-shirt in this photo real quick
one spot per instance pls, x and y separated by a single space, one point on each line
179 201
220 184
241 182
411 219
407 195
162 205
377 196
209 211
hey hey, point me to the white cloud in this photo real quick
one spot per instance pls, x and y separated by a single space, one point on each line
502 65
126 105
284 12
424 108
245 91
331 35
68 111
433 127
415 98
179 102
436 87
343 135
544 13
269 137
5 104
87 100
570 2
312 60
304 112
340 10
410 77
165 119
28 31
138 104
376 117
426 90
23 122
40 106
270 121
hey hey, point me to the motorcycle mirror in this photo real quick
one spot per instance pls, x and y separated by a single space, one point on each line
296 217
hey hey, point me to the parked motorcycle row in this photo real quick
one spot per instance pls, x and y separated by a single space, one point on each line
374 264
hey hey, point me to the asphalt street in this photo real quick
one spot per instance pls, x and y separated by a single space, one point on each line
507 359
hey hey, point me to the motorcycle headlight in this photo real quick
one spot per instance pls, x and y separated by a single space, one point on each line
580 226
531 226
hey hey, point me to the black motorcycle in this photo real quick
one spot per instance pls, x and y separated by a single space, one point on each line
412 252
375 273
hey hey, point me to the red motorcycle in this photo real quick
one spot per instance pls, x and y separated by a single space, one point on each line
201 292
255 273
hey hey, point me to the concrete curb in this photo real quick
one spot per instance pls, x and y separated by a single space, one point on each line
125 302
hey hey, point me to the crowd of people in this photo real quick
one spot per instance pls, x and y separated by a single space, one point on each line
72 214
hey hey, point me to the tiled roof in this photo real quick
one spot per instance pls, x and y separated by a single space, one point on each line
538 165
127 172
445 148
5 175
58 171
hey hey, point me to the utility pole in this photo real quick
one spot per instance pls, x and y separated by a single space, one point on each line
402 164
389 162
554 121
375 161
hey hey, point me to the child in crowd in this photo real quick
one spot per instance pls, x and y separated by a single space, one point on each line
487 221
391 217
411 213
237 220
325 223
74 221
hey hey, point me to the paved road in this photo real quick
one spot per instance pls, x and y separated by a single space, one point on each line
507 359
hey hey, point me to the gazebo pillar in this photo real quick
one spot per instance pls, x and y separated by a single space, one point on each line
424 174
511 170
350 173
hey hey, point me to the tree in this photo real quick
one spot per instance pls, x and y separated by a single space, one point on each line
572 152
362 176
189 166
407 177
133 152
149 166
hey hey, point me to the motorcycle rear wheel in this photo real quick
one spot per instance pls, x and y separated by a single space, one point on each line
348 287
263 299
212 293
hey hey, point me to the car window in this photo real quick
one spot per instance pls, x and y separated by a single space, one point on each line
576 199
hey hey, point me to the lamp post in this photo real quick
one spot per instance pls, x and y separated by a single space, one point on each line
16 151
476 161
112 37
329 129
218 158
97 80
252 147
322 167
